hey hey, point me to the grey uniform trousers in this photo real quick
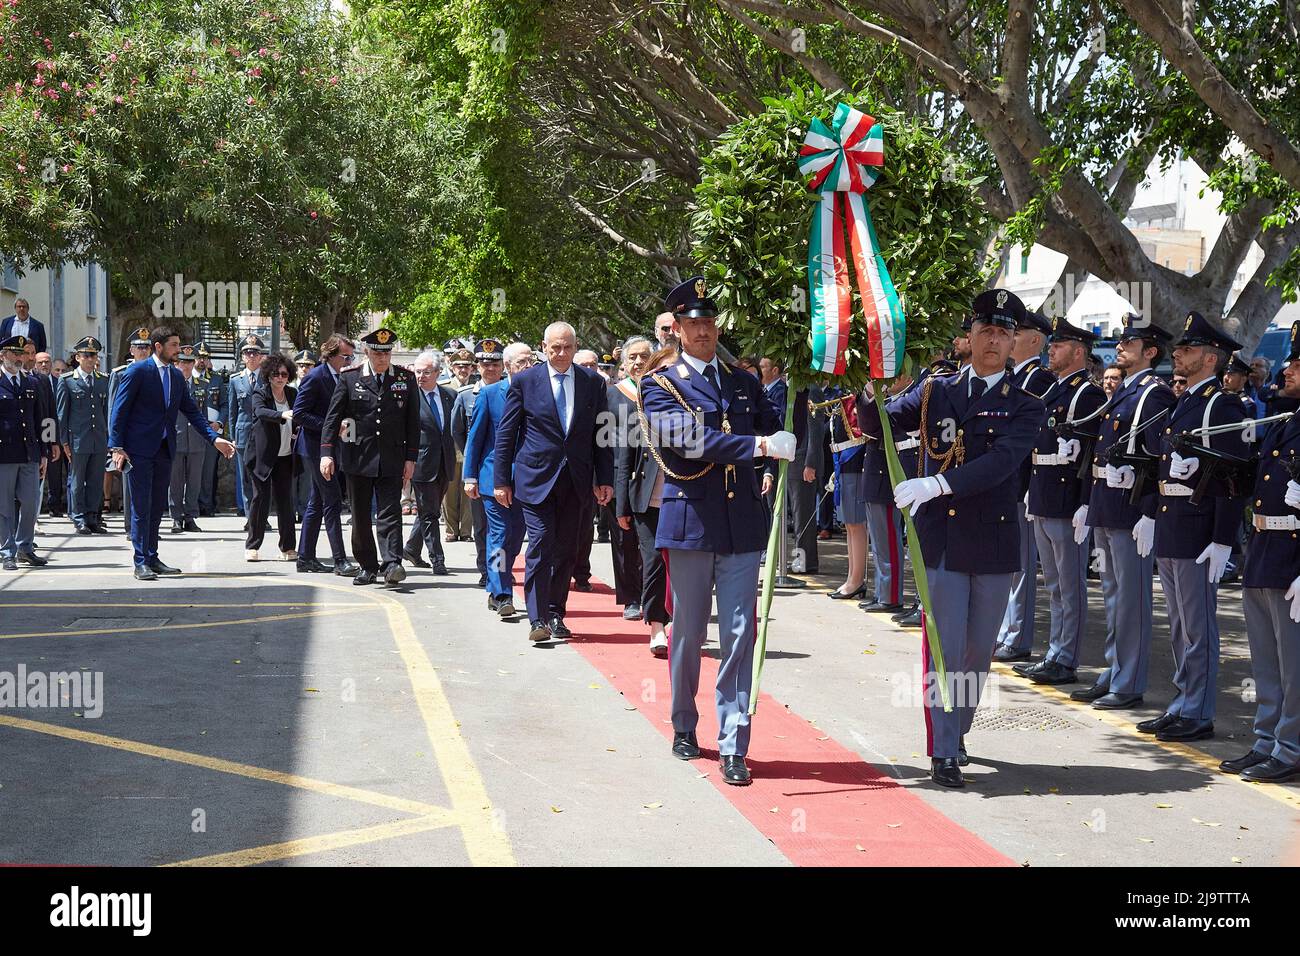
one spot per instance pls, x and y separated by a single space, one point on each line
1128 626
1194 632
1275 663
1017 630
693 577
1065 569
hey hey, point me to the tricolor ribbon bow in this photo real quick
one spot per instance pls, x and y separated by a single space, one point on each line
844 161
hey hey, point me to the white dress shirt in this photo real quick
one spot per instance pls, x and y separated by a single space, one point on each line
21 327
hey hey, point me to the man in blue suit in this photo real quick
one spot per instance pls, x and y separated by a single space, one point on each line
22 323
707 431
505 522
548 457
977 428
325 503
142 433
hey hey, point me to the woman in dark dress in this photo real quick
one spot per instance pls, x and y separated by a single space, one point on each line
270 456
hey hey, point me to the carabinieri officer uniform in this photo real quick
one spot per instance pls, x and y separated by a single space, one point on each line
1271 598
1131 425
1193 541
704 420
975 429
1055 499
81 398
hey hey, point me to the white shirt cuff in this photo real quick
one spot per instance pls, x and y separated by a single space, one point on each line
758 446
943 483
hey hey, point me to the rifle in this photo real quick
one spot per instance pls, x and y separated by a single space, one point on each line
1238 473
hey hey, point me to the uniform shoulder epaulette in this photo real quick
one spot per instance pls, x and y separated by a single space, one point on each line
71 372
122 366
99 374
351 369
1209 389
1076 378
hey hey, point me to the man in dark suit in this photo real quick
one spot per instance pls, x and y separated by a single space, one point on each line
25 451
22 323
436 465
547 456
142 433
373 429
325 503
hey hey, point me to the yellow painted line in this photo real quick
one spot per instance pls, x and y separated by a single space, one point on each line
485 840
320 844
322 787
178 627
1199 757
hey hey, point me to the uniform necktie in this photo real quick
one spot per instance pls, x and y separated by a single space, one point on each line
562 403
977 386
711 374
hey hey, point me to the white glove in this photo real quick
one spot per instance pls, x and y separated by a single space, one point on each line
1292 495
1215 558
1144 533
1080 522
1182 468
1121 477
915 492
781 445
1293 595
1069 448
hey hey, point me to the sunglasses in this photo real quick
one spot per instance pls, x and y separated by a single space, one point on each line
279 375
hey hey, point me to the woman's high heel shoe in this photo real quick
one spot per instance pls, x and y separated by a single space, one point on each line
859 592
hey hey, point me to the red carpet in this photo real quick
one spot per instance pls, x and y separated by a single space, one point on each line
817 801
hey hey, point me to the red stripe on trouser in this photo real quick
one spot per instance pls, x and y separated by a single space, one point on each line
895 567
925 670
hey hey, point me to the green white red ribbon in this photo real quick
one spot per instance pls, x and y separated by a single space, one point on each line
844 161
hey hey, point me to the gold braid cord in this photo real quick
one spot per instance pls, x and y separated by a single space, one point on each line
699 420
957 451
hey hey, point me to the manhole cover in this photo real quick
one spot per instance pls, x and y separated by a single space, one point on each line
1022 718
115 623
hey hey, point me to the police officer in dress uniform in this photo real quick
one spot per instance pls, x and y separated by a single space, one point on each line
139 348
1194 541
239 402
305 360
81 397
372 429
1057 509
215 387
706 424
191 450
975 429
1131 425
23 456
1016 636
1271 598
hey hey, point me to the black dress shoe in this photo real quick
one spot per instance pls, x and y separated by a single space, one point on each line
963 758
685 747
539 631
313 566
345 568
558 629
157 567
1028 670
1089 694
734 771
10 564
178 527
505 605
912 619
1117 701
876 607
859 592
395 573
415 559
1271 770
1185 729
1008 654
903 612
364 577
1244 762
440 568
492 602
1053 672
144 573
632 612
192 525
584 586
946 772
98 527
85 529
35 560
482 580
1155 724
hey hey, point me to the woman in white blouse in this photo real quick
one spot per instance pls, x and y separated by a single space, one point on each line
270 456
